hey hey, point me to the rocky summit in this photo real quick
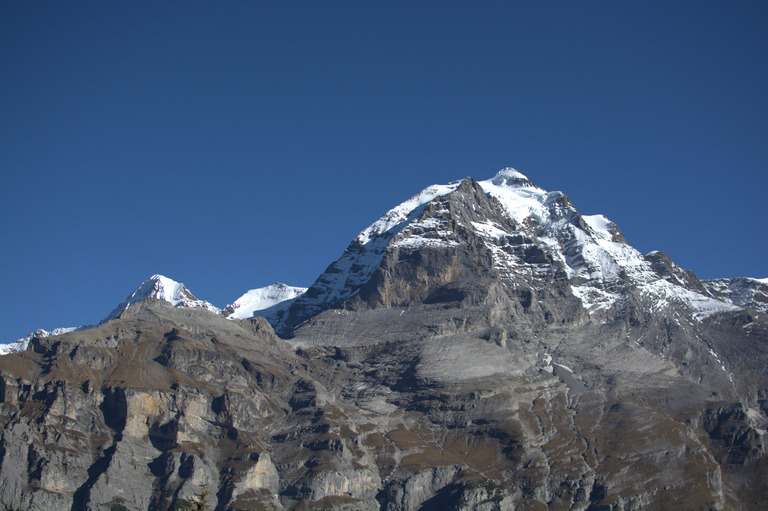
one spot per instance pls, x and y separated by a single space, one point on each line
482 346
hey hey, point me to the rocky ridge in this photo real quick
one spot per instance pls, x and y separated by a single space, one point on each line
482 346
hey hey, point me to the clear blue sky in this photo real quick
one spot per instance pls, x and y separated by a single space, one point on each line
229 145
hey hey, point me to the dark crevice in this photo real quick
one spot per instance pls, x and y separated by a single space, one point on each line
115 411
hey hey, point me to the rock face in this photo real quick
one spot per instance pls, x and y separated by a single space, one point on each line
483 346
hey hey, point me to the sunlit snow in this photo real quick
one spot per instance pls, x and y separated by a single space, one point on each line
597 266
401 213
255 301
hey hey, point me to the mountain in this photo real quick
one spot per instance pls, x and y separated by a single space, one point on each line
530 237
161 288
157 286
483 345
268 302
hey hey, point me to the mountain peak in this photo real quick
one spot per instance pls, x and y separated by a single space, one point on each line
529 236
510 177
163 288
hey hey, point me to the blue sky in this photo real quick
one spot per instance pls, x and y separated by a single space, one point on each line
229 145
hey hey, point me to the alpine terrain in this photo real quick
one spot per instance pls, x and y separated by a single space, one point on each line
482 346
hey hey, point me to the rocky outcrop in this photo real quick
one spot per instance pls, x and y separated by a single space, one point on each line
663 265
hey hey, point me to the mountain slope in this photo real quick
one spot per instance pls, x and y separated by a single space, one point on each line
744 292
503 264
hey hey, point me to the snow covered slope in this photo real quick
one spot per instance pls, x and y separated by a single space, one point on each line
598 261
744 292
267 302
162 288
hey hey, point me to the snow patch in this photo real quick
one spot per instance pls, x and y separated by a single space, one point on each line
254 302
758 420
400 214
489 229
720 363
601 225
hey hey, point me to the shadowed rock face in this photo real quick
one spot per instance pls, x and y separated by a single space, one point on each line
463 372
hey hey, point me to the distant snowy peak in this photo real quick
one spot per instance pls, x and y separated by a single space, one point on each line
157 286
265 301
162 288
268 302
23 343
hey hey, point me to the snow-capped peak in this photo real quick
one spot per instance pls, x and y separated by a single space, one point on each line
265 301
511 177
590 251
162 288
521 198
156 286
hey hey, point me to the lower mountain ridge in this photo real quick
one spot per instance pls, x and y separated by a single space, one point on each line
483 346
